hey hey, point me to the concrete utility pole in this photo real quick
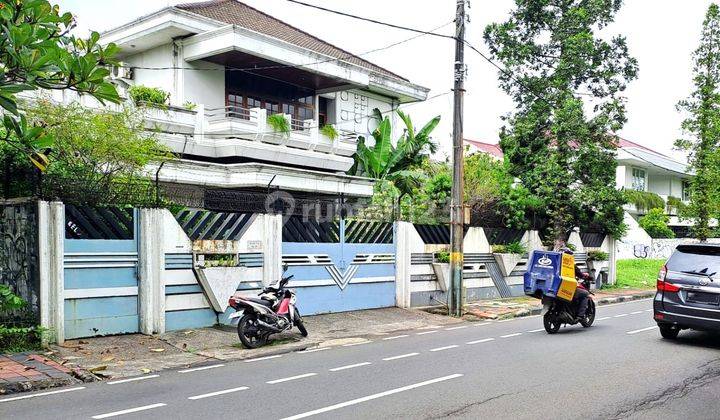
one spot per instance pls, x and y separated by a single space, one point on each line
457 213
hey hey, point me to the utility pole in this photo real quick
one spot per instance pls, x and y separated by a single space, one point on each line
457 213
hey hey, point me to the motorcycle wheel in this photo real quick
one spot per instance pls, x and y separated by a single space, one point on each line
551 323
299 323
589 315
249 333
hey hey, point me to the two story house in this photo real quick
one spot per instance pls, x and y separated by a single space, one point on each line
227 67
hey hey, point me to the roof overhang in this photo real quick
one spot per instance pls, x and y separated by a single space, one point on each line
156 29
259 175
660 163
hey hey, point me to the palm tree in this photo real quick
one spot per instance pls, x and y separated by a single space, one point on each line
395 163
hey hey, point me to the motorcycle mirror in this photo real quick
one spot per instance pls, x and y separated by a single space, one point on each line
285 267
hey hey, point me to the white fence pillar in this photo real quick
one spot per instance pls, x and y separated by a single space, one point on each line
403 251
272 248
151 262
51 251
476 242
531 241
574 239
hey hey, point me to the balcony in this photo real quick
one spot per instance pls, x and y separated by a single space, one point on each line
239 132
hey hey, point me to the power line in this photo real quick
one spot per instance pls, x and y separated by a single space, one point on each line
391 25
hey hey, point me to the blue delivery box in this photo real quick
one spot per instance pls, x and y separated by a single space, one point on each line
550 274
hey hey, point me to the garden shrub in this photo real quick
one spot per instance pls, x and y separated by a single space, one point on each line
655 224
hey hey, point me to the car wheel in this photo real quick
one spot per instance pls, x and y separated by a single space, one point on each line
669 331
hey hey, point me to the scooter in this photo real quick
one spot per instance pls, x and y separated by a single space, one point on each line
557 312
272 312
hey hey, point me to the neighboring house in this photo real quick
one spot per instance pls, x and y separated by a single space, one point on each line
639 168
227 66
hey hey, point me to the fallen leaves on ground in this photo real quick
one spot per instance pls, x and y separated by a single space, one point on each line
97 368
157 350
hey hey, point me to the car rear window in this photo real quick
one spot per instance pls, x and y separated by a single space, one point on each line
695 258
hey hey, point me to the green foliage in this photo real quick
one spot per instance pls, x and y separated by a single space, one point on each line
564 159
190 106
329 131
644 200
637 274
395 163
144 95
9 301
597 256
572 247
12 338
677 206
38 53
279 124
99 157
442 257
655 223
511 248
701 127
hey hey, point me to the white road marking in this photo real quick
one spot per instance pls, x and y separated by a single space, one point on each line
257 359
291 378
200 368
395 337
59 391
456 328
648 310
510 335
481 324
371 397
212 394
128 411
314 350
603 318
402 356
636 312
427 332
137 378
620 316
350 366
484 340
642 330
444 348
357 344
538 330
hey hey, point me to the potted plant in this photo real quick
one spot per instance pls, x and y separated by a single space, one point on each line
149 96
508 256
279 124
329 131
596 261
441 267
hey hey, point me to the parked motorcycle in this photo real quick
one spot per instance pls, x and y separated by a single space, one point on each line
557 312
272 312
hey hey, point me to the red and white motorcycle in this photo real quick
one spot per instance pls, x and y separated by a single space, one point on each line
273 311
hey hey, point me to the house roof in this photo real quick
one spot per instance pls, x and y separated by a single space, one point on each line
489 148
235 12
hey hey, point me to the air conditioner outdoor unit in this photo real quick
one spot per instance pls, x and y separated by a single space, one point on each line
121 71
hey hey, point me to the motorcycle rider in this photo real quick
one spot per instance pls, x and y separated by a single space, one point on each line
582 295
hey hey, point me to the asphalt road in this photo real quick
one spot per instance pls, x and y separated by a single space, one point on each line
618 368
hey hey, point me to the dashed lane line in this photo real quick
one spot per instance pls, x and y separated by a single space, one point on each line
349 366
427 332
396 337
538 330
620 315
445 348
484 340
137 378
291 378
257 359
314 350
510 335
602 319
481 324
642 330
456 328
59 391
402 356
201 368
357 344
128 411
372 397
636 312
213 394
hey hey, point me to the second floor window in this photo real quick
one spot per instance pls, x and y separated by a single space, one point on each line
638 179
686 190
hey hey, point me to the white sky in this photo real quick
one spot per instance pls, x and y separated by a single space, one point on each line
661 34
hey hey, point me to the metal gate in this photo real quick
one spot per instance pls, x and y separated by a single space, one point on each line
100 268
341 265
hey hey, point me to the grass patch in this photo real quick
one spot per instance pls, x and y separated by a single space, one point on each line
637 274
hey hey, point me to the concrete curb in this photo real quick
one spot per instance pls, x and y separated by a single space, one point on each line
600 302
27 386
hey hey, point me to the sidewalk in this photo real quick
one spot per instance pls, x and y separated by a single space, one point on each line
30 371
525 305
135 354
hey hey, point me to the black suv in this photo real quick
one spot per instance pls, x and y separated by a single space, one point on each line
688 290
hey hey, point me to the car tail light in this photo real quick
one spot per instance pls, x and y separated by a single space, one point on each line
664 286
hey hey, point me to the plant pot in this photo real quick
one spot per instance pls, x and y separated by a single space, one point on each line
219 284
442 272
507 262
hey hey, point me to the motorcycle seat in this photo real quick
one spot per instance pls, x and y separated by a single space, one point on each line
260 301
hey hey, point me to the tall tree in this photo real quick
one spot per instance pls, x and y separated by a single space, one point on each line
37 52
566 82
702 127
